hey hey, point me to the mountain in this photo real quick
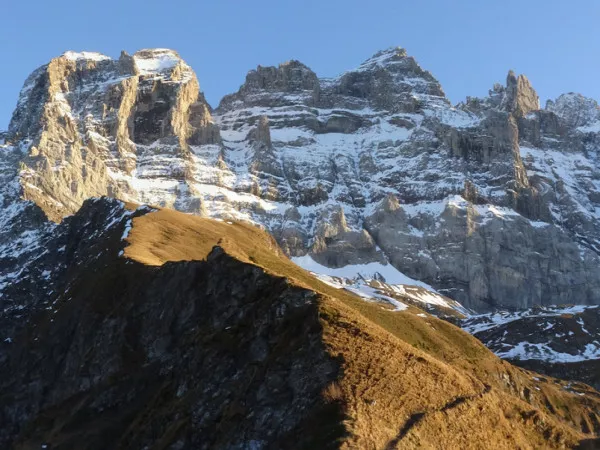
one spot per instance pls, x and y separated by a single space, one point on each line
493 203
157 329
331 224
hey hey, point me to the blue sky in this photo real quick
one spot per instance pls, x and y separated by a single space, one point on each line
468 45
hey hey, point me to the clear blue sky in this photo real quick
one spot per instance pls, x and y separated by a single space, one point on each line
468 45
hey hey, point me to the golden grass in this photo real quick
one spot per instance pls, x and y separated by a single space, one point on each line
407 381
333 393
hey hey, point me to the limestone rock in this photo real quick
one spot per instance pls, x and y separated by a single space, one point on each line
89 122
575 109
495 202
519 98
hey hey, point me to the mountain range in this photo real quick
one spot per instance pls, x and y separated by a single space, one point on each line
403 206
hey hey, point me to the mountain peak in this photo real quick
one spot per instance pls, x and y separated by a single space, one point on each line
393 81
294 63
289 82
575 109
288 76
385 58
156 60
520 97
390 53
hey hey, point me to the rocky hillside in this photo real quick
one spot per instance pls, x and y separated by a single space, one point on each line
132 327
494 202
559 341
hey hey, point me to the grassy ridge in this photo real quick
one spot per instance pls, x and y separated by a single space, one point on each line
407 381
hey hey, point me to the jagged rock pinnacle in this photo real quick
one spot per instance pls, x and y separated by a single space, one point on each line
520 97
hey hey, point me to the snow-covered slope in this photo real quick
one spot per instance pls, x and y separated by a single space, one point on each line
492 202
541 333
575 110
562 341
383 282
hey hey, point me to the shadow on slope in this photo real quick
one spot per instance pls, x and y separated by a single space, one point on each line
205 336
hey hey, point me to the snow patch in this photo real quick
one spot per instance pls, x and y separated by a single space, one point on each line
366 271
527 351
90 56
158 60
483 322
365 280
128 226
591 128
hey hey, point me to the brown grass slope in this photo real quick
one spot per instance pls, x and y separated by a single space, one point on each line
406 381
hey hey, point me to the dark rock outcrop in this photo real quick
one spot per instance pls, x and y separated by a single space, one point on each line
117 354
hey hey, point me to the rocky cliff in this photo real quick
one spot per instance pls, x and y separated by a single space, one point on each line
494 202
133 327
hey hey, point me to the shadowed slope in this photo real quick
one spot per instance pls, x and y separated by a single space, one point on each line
397 365
203 335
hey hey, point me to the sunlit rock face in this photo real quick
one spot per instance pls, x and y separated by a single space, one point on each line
494 202
97 126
